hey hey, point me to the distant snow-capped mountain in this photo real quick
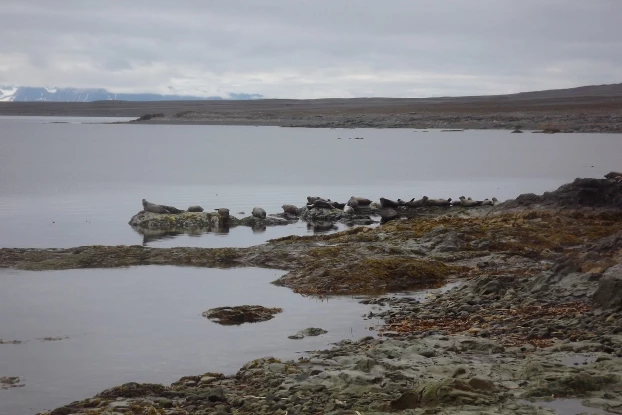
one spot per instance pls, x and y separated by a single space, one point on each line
29 93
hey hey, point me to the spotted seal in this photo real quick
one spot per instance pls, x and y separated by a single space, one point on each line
290 209
259 213
413 203
388 203
155 208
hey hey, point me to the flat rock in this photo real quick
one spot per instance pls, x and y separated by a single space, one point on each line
228 316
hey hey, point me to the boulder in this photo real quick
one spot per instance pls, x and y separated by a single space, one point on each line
320 215
228 316
608 295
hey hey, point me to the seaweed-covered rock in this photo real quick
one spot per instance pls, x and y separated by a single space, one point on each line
258 222
132 390
320 215
186 220
228 316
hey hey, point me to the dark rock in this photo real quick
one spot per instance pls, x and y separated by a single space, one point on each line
227 316
608 295
132 390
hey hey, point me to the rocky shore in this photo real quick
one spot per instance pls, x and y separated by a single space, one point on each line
536 314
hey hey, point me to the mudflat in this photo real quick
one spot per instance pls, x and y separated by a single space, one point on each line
583 109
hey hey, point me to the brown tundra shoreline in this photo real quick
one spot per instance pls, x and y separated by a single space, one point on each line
584 109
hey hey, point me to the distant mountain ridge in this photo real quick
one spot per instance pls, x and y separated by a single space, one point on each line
38 94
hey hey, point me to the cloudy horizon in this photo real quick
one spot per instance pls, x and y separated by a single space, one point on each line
312 49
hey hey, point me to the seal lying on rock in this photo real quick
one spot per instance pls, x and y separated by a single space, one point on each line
388 203
152 207
312 199
290 209
469 202
353 202
337 205
348 210
361 201
613 175
259 213
413 203
195 208
438 202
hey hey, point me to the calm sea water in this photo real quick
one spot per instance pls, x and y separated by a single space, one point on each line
67 182
144 324
64 185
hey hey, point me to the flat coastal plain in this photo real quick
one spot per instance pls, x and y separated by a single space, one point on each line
583 109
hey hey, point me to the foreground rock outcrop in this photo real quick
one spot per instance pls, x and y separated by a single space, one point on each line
536 313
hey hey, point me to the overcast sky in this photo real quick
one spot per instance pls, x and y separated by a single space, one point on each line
312 48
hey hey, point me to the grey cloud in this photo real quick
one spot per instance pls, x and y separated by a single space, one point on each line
308 49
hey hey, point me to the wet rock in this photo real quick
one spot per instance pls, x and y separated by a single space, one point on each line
609 292
227 316
132 390
7 382
311 331
321 215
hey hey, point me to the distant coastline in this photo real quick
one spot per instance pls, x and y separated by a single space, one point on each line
584 109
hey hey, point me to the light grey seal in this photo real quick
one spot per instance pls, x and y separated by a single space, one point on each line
353 202
414 203
438 202
154 208
487 202
388 203
290 209
259 213
195 209
349 210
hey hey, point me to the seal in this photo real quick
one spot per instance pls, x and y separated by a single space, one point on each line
388 203
320 204
312 199
290 209
438 202
469 202
613 175
353 202
172 209
259 213
487 202
413 203
195 209
223 212
361 201
349 210
154 208
337 205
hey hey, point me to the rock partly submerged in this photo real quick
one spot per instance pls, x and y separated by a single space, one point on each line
199 220
229 316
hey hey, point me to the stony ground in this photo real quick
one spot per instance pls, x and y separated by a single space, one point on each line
538 313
